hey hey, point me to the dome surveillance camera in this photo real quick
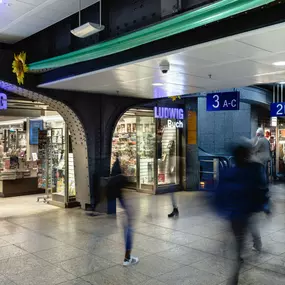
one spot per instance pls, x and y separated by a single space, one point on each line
164 66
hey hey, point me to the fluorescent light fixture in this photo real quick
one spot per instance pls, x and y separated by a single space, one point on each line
279 63
157 84
87 30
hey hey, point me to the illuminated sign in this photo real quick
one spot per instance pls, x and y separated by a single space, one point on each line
227 101
3 101
176 125
171 114
168 113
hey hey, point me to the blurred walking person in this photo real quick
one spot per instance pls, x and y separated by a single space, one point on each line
114 190
239 195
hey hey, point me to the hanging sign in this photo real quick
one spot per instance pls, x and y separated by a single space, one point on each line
35 126
277 109
3 101
227 101
174 116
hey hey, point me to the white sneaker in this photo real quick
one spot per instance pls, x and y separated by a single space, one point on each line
132 261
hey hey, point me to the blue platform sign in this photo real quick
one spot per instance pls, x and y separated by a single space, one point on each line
277 109
226 101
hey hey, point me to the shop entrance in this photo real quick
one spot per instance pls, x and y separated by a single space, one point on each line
149 150
36 156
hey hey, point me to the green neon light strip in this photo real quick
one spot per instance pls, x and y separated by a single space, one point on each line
190 20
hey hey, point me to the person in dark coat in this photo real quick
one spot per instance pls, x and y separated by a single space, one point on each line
241 193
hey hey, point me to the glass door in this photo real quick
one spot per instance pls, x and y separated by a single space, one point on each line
167 154
146 153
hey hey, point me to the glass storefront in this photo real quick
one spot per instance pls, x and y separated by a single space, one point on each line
35 155
148 149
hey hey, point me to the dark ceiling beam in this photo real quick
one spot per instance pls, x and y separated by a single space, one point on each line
251 20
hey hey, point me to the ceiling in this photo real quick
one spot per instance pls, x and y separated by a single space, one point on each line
22 18
242 60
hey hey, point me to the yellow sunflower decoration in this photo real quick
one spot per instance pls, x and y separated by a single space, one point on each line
20 67
174 98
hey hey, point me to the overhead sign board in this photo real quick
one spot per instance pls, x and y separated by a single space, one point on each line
226 101
3 101
277 109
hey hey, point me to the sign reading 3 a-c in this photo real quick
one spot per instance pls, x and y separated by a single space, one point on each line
226 101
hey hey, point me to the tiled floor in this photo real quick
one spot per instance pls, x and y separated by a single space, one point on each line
50 246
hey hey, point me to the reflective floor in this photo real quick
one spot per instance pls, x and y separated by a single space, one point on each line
69 247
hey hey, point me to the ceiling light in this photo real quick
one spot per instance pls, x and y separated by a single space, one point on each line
5 3
282 82
89 28
157 84
279 63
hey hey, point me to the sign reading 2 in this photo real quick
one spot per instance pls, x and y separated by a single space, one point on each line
277 109
223 101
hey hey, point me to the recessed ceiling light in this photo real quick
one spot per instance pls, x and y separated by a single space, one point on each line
279 63
157 84
5 3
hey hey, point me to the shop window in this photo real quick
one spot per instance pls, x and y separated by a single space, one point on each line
148 150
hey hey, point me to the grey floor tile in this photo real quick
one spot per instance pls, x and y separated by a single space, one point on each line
152 245
21 264
154 231
206 230
154 266
117 275
219 266
77 281
98 279
261 277
39 244
184 255
116 253
209 246
275 264
255 258
190 276
3 242
274 247
179 238
278 236
6 281
59 254
46 276
86 264
21 237
94 243
11 251
153 282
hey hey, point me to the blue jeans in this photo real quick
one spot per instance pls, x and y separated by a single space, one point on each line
128 227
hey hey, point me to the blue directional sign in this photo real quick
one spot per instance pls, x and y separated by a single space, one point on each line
277 109
226 101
